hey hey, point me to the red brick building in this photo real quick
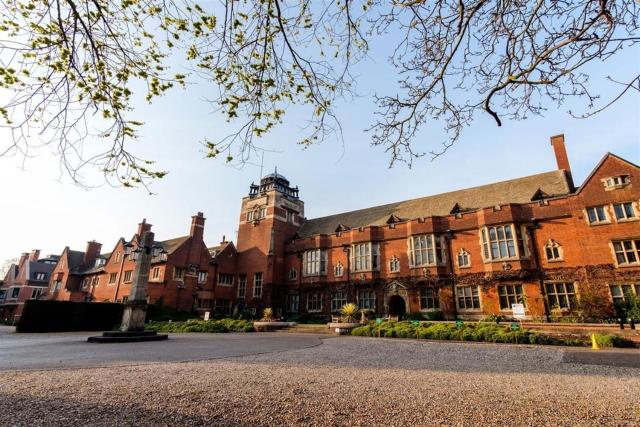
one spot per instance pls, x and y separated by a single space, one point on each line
180 277
468 253
28 279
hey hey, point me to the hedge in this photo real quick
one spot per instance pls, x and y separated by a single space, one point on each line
486 332
199 325
63 316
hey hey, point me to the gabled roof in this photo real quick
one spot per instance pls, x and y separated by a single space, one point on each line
172 245
75 259
517 190
214 251
600 163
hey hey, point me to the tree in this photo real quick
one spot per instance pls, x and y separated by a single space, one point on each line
6 265
67 66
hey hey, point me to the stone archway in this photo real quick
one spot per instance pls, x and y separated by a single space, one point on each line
392 292
397 306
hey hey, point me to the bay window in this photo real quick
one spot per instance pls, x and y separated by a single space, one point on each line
427 249
503 242
314 262
365 256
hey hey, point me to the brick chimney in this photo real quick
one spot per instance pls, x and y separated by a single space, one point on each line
91 253
34 255
143 227
562 159
197 226
23 258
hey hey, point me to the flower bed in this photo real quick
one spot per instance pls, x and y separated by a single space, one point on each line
199 325
482 332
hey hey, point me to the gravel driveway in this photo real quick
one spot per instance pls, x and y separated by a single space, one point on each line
345 381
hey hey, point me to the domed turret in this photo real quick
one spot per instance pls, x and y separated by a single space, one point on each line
274 181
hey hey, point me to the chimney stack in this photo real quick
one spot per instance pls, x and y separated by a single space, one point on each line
197 226
34 255
23 258
562 159
91 253
143 227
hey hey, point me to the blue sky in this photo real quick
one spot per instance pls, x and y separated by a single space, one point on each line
38 210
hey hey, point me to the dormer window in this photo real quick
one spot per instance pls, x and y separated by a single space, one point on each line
394 264
338 270
624 211
41 276
464 259
553 251
314 262
615 182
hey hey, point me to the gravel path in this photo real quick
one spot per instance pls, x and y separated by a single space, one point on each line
345 381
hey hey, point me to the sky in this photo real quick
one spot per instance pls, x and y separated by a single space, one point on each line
39 209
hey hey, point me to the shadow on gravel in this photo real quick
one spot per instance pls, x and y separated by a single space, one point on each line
63 351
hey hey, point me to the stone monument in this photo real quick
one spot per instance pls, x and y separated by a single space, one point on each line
135 311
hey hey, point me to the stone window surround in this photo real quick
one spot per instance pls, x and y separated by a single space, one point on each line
550 245
520 300
464 309
637 252
519 237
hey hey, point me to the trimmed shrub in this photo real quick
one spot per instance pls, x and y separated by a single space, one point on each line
64 316
485 332
435 315
161 313
199 325
362 331
416 315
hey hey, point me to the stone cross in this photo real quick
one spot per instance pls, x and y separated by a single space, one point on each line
135 310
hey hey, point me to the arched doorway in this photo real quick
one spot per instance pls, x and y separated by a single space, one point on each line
397 306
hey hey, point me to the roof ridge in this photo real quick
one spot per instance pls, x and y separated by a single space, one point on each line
557 171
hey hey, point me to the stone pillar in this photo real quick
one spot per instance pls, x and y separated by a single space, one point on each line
136 309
